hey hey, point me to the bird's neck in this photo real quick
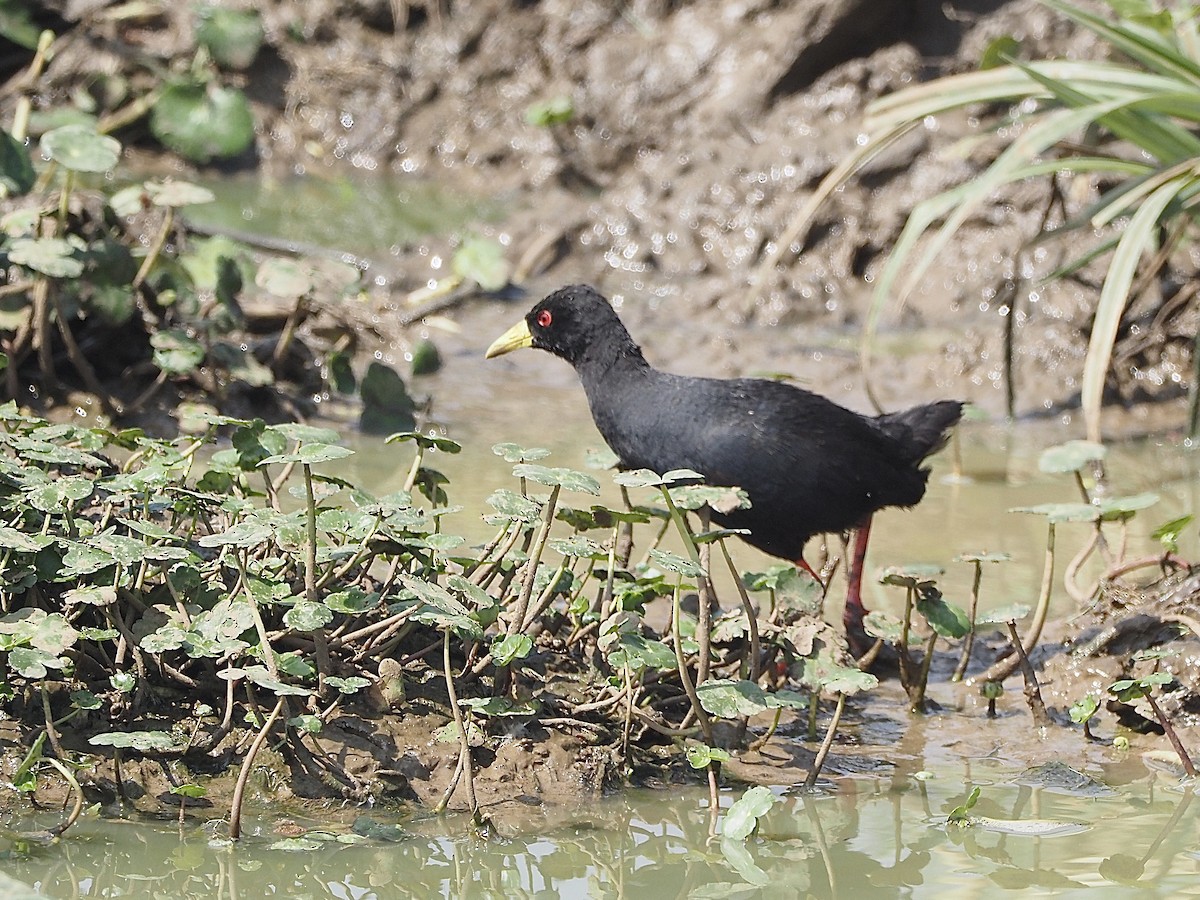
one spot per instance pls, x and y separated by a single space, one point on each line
604 361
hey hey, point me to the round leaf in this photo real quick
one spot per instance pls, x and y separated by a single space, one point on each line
306 616
81 149
202 122
1070 457
50 256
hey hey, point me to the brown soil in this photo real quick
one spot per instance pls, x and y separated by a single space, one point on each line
699 129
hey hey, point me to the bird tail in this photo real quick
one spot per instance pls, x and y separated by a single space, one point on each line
922 430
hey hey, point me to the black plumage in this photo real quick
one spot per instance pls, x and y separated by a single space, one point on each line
808 464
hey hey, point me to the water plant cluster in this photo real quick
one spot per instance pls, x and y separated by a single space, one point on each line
176 598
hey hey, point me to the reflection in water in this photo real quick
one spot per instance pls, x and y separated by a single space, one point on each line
871 838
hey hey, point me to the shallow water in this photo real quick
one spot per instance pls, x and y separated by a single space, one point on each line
998 469
883 836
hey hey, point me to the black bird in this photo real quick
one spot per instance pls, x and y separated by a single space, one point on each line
809 465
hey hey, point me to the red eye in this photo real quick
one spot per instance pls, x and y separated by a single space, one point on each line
544 318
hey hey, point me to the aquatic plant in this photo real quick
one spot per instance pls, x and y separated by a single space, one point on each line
271 594
1138 111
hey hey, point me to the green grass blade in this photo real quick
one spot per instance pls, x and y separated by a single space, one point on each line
1114 295
1148 47
1005 83
1158 136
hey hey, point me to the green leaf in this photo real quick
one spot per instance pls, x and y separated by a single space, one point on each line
675 563
728 699
510 648
24 779
1120 508
500 707
50 256
1013 612
425 358
32 663
578 545
143 741
173 193
189 790
232 36
883 626
742 817
306 616
378 831
481 260
982 557
351 685
722 499
85 700
261 676
351 601
514 506
296 845
568 479
310 455
513 453
81 149
999 51
636 652
1070 456
822 672
1083 710
12 539
556 111
243 534
307 723
202 121
387 405
1058 513
16 169
285 278
960 815
636 478
945 618
701 756
1168 533
1137 241
910 575
175 352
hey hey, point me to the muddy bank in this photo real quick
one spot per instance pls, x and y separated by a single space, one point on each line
696 132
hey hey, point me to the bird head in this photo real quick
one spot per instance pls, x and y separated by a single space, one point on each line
566 323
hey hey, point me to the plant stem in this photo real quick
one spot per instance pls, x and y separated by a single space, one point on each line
464 745
918 697
969 641
310 578
703 635
1033 693
819 761
905 661
1176 744
239 790
1002 668
517 624
685 677
76 792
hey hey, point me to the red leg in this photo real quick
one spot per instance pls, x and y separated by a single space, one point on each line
803 564
852 618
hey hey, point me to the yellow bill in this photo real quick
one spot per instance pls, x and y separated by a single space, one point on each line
514 339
